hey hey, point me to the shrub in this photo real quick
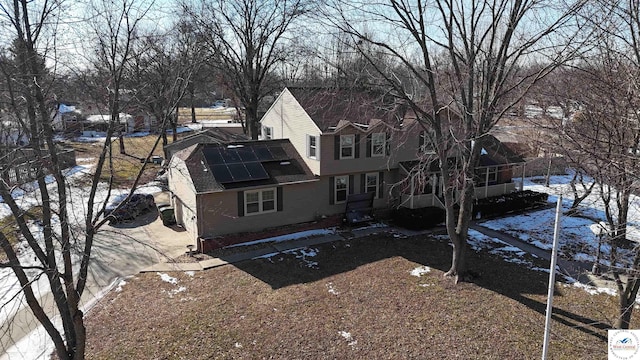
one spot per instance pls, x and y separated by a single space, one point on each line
503 204
418 219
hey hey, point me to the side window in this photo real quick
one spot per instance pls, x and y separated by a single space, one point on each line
312 147
267 133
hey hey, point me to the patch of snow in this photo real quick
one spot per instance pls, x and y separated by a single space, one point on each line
190 273
420 270
331 289
237 345
595 290
167 278
287 237
347 336
120 285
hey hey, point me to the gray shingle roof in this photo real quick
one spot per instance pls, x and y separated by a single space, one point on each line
286 166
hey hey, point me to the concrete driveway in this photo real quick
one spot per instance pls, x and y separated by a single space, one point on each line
119 251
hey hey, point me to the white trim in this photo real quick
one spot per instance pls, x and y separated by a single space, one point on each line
335 189
261 201
353 146
315 147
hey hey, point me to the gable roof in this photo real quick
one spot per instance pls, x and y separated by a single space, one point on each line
236 165
497 151
328 106
212 135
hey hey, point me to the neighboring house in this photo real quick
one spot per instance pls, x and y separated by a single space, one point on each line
358 142
100 123
66 117
220 189
209 136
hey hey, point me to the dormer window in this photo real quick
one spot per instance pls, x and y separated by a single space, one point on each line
347 143
378 144
267 133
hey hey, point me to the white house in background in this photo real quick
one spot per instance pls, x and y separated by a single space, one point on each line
100 123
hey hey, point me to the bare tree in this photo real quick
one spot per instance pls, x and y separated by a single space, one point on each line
249 40
61 247
466 62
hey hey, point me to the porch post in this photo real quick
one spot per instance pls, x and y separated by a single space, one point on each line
412 190
486 183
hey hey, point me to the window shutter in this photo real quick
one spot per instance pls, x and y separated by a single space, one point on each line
279 198
318 148
351 184
336 147
332 184
307 145
380 184
421 139
240 203
388 145
356 144
369 145
363 181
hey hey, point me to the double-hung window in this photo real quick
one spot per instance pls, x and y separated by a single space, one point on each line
312 147
347 143
341 188
260 201
378 144
372 183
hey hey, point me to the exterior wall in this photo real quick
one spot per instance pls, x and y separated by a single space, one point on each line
403 146
183 197
219 211
289 121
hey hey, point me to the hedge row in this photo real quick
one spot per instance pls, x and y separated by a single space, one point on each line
418 219
503 204
428 217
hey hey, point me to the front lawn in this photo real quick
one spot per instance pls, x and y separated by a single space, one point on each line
352 299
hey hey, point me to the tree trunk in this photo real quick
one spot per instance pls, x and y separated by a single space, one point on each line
625 311
121 144
458 261
193 107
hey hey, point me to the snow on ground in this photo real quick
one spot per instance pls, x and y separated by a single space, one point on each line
167 278
287 237
420 270
577 239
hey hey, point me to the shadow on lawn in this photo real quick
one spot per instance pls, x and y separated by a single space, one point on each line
508 279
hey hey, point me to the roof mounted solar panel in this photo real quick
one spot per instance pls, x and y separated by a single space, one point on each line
263 153
256 171
239 172
246 154
212 155
230 156
221 173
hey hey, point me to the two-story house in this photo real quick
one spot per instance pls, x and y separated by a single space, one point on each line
317 146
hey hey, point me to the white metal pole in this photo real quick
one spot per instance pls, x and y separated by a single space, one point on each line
552 280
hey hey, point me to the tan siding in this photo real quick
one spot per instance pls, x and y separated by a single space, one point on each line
289 121
183 192
220 210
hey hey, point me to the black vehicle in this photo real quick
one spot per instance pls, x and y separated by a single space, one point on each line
137 204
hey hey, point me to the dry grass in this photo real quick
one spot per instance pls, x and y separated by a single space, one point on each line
125 166
280 308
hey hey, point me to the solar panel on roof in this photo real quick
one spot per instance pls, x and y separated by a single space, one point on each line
239 172
263 153
246 154
230 156
256 171
221 173
212 155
